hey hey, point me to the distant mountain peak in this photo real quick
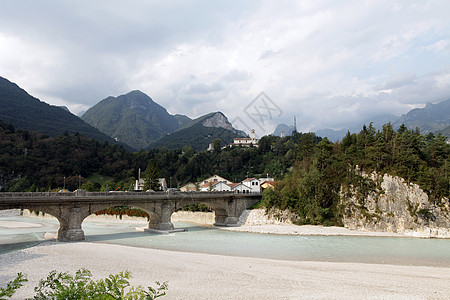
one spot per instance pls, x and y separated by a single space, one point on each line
217 120
283 129
133 118
431 118
201 131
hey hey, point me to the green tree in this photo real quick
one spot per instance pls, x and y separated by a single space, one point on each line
216 145
151 176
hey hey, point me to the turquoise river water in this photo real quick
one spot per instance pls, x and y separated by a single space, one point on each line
382 250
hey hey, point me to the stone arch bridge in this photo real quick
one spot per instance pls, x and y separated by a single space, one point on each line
72 208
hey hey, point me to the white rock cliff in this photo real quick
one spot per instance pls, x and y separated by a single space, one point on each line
395 206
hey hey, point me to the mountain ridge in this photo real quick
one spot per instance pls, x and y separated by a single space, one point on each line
26 112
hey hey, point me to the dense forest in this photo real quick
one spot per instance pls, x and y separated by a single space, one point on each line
310 170
35 162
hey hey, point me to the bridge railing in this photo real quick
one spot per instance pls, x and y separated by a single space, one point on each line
35 194
110 194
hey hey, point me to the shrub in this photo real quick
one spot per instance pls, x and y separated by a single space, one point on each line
81 286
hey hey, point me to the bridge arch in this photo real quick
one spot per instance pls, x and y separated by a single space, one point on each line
224 210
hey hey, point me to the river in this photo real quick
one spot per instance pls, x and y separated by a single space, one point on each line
24 232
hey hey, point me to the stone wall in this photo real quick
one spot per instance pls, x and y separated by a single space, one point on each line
395 206
204 218
256 217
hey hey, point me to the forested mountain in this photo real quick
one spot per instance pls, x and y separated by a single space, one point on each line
36 162
431 118
199 133
26 112
133 118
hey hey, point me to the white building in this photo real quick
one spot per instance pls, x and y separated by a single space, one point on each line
240 188
252 141
215 187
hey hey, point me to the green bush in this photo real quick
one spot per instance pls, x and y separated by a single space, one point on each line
81 286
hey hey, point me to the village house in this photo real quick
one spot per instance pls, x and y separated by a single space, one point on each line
268 185
189 187
241 188
214 179
215 186
253 184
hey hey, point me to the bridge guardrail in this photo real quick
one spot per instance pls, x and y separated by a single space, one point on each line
111 194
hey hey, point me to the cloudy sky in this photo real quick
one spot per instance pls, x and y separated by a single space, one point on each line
329 63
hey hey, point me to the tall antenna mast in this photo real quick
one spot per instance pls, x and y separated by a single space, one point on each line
295 124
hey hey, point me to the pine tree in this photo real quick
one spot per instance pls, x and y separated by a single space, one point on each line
151 176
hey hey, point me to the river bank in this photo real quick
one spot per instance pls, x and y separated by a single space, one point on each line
206 276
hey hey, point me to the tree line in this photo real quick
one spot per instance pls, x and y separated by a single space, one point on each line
310 170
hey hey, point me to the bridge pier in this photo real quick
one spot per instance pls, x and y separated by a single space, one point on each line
162 221
229 211
70 220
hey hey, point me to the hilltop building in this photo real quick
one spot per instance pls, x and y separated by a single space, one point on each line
252 141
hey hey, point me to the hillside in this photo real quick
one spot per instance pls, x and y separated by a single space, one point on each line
199 133
133 118
29 113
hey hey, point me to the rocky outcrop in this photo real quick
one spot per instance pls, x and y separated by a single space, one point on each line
219 120
389 203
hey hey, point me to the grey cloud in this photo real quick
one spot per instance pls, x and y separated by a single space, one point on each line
236 75
201 88
110 47
399 81
267 54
